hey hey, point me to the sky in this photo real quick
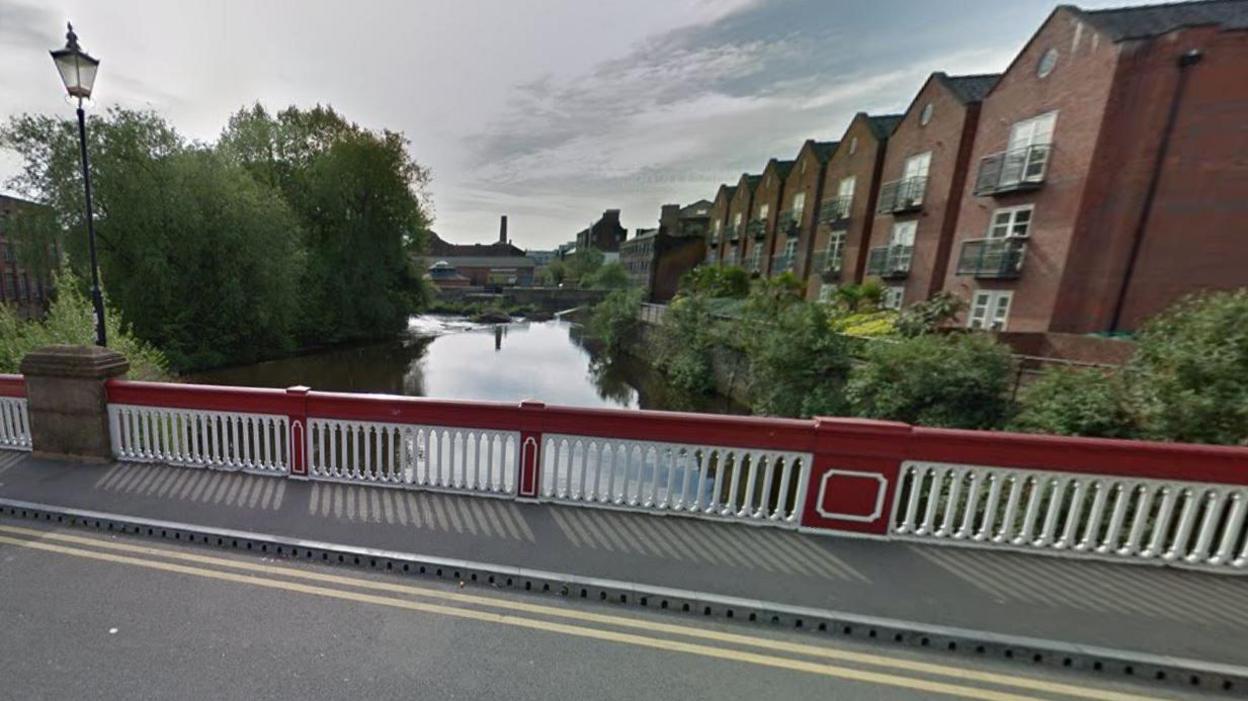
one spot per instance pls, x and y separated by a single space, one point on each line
549 111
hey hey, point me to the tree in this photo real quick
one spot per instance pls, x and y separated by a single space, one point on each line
611 276
582 264
1189 373
717 281
957 381
799 364
927 316
614 319
685 344
1076 402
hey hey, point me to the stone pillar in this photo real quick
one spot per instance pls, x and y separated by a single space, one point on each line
66 399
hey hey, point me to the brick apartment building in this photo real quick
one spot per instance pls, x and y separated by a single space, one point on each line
657 258
795 221
760 230
26 290
739 209
1109 175
717 224
925 171
605 235
847 204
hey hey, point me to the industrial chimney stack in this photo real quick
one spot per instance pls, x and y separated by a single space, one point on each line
502 229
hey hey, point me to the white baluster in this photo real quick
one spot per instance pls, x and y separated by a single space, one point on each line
935 485
991 504
1139 520
1034 497
1161 526
1187 518
1208 526
1095 516
1233 529
1073 514
951 504
972 507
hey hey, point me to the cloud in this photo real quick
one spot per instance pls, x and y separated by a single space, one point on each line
23 26
695 106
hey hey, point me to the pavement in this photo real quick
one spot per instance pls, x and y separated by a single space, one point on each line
1142 609
102 616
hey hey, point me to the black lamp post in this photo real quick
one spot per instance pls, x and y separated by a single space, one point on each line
77 69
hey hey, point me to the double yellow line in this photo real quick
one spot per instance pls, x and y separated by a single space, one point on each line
763 651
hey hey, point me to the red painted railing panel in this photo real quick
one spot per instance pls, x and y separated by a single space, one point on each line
252 400
12 386
1105 456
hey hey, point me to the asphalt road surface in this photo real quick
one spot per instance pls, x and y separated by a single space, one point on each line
88 615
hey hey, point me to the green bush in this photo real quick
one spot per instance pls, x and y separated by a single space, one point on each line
614 319
71 320
927 316
717 281
957 381
1189 374
611 276
685 343
1076 402
799 364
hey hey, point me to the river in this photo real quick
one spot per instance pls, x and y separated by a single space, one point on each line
448 357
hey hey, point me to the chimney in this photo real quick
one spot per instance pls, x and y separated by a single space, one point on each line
502 229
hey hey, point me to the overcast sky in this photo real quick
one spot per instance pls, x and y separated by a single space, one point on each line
549 111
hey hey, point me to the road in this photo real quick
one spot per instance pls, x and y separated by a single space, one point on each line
85 614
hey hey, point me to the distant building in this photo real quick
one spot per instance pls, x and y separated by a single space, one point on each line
498 264
29 292
657 258
605 235
444 276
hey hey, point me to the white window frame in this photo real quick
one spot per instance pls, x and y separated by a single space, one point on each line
893 296
903 233
1032 131
836 246
917 165
990 310
799 204
719 225
1011 222
790 248
736 219
764 209
845 190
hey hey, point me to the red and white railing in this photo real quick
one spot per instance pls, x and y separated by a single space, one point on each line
1130 500
14 417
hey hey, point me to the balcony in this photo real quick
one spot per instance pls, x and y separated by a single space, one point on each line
731 233
1013 171
757 228
782 263
1000 258
890 262
901 196
828 268
788 223
835 211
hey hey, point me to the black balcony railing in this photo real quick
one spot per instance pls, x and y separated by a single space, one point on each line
782 263
788 223
731 233
1014 170
992 258
825 266
889 261
756 228
835 210
905 195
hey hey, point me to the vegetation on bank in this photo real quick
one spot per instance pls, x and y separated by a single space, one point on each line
71 320
293 229
1187 380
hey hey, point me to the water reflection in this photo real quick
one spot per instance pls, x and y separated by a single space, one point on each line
449 358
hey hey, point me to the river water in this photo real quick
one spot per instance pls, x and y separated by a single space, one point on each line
451 358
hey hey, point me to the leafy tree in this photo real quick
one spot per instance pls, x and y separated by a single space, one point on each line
926 316
685 344
799 364
612 276
1189 374
860 297
614 319
717 281
957 381
1076 402
582 264
71 320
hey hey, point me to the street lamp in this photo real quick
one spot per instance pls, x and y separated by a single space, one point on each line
77 69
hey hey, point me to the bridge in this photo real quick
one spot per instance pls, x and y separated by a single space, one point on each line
1124 559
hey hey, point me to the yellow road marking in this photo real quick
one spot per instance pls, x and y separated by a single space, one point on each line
547 626
615 620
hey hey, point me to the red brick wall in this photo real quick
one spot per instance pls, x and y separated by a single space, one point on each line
719 218
742 203
1078 88
863 164
806 176
1195 237
767 193
943 138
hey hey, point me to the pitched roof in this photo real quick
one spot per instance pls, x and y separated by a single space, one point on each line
691 210
783 168
728 190
824 149
439 248
970 88
1144 21
484 261
882 125
752 181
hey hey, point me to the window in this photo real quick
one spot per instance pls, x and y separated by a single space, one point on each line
803 168
990 309
1027 154
1031 132
736 220
903 233
1010 221
836 248
763 211
756 259
925 115
853 146
718 225
845 192
1046 64
917 166
893 296
799 204
790 248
